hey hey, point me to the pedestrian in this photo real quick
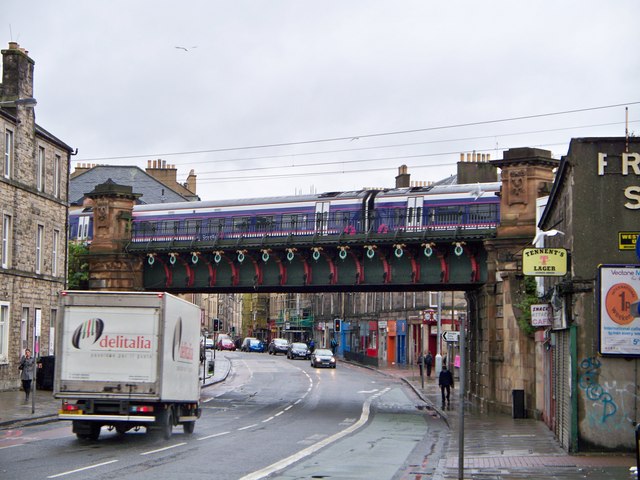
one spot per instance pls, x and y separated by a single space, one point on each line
312 345
446 384
334 345
428 361
421 363
26 375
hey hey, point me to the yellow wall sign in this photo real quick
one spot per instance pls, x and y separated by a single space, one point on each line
544 262
627 240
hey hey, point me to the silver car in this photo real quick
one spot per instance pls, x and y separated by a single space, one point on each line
323 357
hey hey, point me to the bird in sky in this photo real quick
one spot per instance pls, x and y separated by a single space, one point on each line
185 48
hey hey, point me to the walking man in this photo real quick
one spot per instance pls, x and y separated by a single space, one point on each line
428 361
446 384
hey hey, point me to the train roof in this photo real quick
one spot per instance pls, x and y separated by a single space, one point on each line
251 201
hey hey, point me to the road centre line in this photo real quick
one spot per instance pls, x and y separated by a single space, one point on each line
164 449
14 445
279 413
267 419
81 469
248 426
285 462
289 407
214 435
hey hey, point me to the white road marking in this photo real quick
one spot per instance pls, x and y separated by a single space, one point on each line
81 469
285 462
214 435
267 420
11 446
368 391
164 449
248 426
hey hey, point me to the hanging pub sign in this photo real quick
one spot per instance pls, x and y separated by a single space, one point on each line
619 317
541 315
544 262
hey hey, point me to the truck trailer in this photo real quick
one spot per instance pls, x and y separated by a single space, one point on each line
127 360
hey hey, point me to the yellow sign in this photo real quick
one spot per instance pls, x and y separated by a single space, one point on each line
627 240
544 262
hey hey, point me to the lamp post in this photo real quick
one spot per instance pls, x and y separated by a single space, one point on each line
28 102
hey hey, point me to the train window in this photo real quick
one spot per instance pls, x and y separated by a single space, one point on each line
289 222
241 224
419 215
264 223
176 226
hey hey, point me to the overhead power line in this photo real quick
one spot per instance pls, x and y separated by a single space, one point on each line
369 135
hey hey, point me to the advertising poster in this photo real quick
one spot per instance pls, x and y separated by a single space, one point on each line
619 316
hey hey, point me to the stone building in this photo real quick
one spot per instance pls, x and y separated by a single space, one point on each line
590 390
33 208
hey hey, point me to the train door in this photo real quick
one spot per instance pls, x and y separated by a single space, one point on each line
414 212
322 218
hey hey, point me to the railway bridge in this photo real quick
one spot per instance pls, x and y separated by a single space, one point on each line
445 256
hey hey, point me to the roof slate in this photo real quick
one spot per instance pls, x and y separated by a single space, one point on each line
150 189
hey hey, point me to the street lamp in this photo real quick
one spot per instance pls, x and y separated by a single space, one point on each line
28 102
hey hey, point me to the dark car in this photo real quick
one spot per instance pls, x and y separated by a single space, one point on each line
323 357
252 344
226 344
278 345
298 350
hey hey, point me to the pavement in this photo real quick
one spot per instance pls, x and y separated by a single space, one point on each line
495 447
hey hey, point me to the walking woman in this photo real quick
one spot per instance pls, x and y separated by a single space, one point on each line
26 365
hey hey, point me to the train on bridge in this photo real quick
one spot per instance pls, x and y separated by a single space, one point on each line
432 208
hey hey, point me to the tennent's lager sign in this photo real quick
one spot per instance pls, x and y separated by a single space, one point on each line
544 262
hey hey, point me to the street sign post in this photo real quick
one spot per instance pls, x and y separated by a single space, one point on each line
451 336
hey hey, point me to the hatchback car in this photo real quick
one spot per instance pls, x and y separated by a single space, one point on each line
323 357
252 344
207 342
298 350
226 344
278 345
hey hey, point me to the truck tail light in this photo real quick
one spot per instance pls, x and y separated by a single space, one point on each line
141 409
68 407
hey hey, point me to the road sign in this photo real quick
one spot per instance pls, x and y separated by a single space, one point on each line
451 336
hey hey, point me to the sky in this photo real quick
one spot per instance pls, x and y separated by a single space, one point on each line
285 97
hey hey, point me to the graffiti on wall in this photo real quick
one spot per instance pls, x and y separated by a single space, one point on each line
590 382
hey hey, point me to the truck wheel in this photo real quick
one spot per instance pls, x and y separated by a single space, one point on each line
188 427
167 424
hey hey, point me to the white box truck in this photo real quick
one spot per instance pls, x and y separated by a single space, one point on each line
127 360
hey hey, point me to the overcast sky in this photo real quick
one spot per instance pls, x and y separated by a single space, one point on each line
348 90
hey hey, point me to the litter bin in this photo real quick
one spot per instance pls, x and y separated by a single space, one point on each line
518 404
45 372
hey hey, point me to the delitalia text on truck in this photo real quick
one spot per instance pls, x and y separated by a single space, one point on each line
127 360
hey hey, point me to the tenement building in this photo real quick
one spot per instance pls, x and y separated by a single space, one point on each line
33 210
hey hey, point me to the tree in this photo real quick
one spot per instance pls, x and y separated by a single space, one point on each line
78 271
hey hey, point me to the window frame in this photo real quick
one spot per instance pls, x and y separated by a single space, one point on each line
39 245
57 162
40 169
54 252
7 240
9 153
5 314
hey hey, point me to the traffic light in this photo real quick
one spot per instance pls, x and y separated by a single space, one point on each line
337 323
217 324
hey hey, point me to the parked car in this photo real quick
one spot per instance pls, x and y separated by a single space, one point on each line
226 344
207 342
278 345
298 350
323 357
252 344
